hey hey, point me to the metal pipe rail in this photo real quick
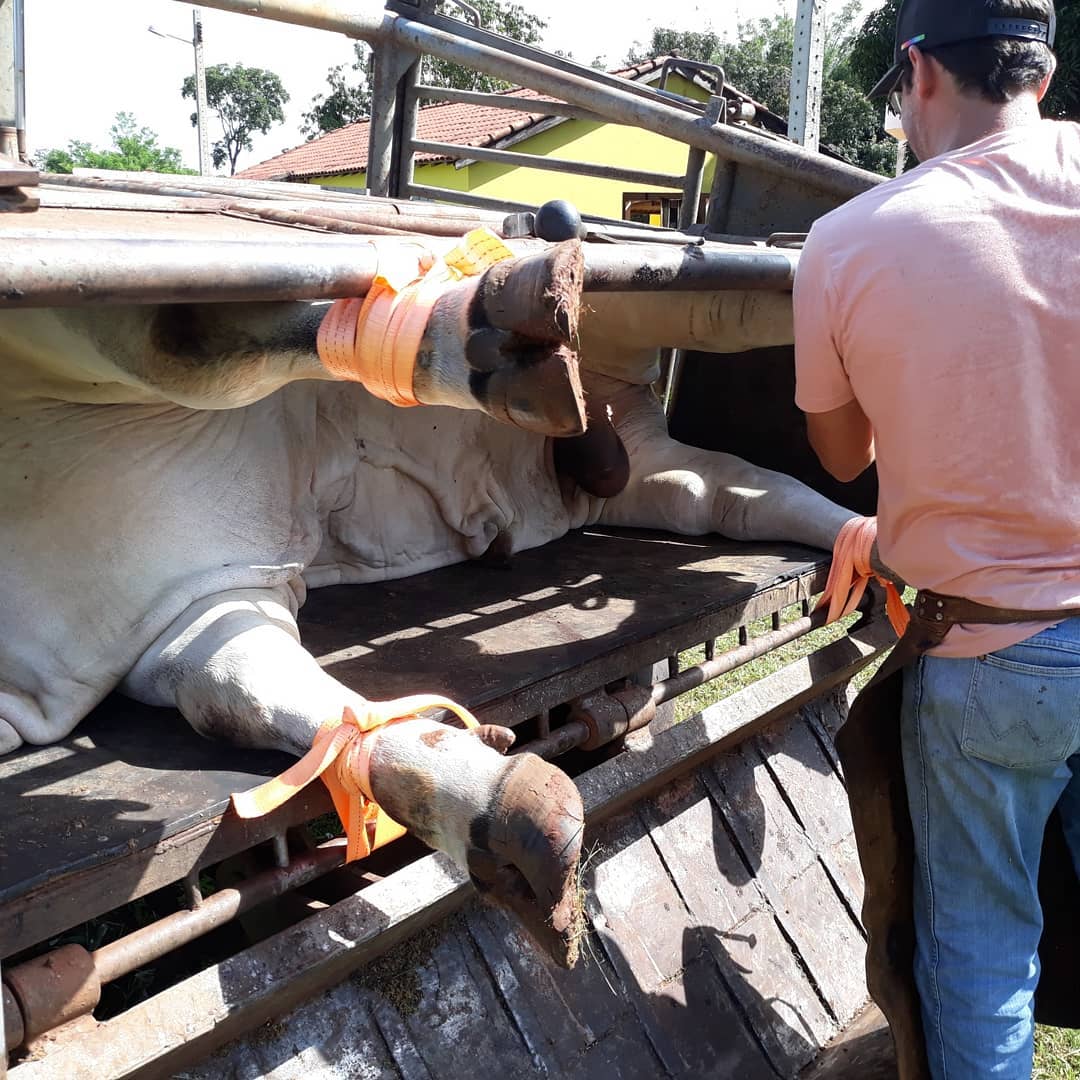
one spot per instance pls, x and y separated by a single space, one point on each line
458 152
533 106
615 103
64 272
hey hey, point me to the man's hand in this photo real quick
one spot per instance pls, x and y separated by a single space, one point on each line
843 440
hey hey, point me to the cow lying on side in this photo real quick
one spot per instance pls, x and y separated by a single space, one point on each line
174 478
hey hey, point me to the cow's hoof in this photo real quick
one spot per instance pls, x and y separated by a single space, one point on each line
525 850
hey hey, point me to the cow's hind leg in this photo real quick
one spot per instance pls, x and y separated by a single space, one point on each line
691 491
234 666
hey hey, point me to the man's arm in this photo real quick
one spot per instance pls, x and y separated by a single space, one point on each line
843 440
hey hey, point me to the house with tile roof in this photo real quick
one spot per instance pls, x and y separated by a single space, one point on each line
340 158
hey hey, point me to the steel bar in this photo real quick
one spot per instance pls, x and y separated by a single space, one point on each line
315 221
699 674
616 103
150 943
50 272
535 106
658 268
404 158
550 164
391 65
695 169
465 198
576 733
64 272
531 52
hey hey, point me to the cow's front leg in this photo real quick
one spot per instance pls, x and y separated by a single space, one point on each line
691 491
234 666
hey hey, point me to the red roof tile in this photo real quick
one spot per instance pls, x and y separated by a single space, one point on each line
346 150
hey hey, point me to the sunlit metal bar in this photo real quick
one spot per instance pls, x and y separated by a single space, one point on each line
550 164
613 102
576 733
61 272
504 101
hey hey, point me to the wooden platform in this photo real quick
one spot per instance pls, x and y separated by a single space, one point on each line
134 799
722 944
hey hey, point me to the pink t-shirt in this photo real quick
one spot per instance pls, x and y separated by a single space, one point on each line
947 302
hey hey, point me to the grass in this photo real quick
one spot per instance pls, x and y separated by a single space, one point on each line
1057 1054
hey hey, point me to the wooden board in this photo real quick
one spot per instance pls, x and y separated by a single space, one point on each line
134 799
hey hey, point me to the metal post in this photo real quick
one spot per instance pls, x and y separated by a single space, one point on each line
695 167
9 125
392 64
200 93
807 71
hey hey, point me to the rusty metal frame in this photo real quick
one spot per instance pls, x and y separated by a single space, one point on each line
188 1021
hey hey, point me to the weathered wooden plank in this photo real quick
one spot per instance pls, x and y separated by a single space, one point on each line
756 962
708 871
764 977
461 1020
801 894
864 1051
812 787
633 900
559 1013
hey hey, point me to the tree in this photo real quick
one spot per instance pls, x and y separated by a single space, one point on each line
345 101
349 99
758 62
873 49
246 100
133 149
509 19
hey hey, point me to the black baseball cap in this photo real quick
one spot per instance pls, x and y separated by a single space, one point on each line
931 23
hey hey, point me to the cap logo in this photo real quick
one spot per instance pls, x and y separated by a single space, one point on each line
912 41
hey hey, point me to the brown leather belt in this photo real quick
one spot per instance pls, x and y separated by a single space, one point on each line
936 614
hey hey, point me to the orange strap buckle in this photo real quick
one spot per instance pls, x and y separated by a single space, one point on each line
375 340
851 572
346 744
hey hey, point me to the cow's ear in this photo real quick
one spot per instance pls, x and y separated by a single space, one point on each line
498 738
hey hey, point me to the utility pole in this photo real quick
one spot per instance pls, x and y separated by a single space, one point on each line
200 93
807 72
201 108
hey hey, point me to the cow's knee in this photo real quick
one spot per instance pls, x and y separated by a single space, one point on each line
234 667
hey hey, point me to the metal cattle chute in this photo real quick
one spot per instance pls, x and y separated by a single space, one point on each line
723 889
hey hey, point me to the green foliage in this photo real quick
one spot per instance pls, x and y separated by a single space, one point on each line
872 55
348 97
133 149
758 62
246 100
346 100
509 19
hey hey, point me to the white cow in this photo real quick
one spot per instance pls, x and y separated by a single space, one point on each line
174 479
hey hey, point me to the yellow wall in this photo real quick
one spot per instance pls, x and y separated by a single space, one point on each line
574 140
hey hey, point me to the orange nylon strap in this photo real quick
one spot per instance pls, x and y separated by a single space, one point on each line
851 571
346 744
375 341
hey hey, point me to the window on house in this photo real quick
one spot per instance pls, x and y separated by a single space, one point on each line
656 209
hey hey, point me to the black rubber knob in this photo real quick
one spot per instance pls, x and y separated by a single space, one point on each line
559 220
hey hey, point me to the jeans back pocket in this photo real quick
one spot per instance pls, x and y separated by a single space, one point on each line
1023 707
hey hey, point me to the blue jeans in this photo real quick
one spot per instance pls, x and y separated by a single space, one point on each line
991 745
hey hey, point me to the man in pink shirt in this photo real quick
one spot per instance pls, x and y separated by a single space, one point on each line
937 328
